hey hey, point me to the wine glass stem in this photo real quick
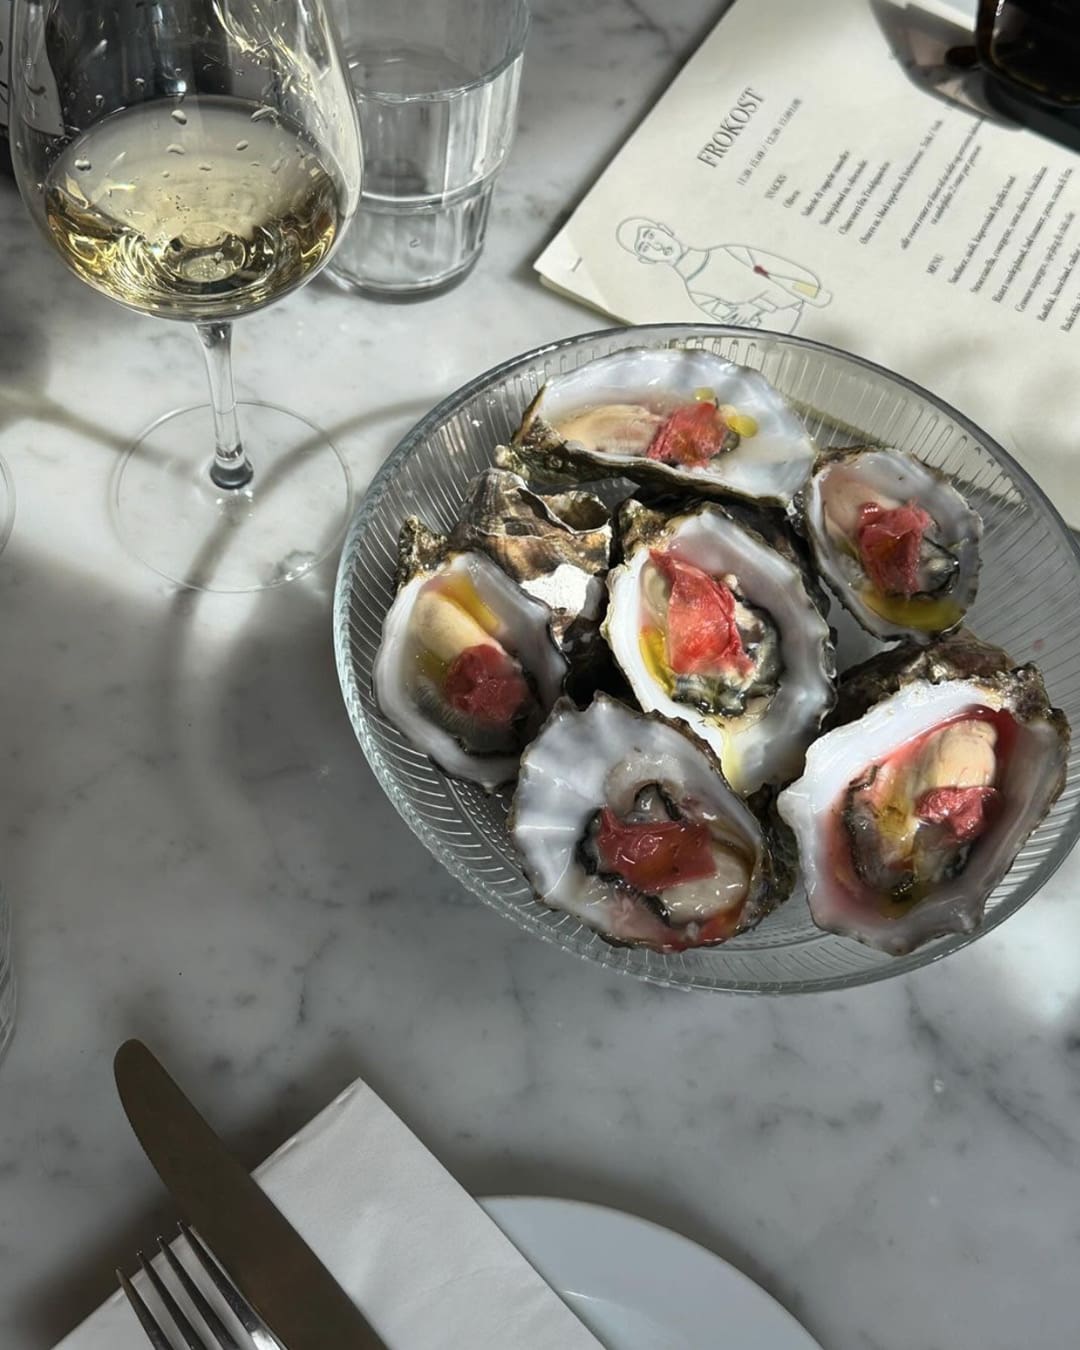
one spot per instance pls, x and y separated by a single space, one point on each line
231 468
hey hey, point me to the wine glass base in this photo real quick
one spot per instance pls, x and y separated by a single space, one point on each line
282 524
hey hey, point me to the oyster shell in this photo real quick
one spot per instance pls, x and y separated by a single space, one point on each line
894 539
680 417
625 821
910 814
556 547
467 668
714 626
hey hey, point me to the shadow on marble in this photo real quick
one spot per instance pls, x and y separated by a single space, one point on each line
286 476
24 354
256 722
176 772
21 399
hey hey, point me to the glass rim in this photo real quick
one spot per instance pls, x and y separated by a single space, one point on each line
382 484
519 32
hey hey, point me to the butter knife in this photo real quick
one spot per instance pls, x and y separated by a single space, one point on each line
266 1258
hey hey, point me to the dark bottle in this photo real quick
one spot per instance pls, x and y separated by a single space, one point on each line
5 76
1034 45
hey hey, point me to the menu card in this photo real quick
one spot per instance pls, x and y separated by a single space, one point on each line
796 178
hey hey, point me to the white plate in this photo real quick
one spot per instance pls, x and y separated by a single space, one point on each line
637 1286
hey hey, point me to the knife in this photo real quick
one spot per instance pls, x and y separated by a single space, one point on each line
265 1257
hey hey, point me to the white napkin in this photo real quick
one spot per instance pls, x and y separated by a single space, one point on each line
413 1249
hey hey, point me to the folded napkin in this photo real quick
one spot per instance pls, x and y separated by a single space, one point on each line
408 1244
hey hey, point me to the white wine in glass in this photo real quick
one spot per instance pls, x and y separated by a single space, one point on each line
238 220
197 160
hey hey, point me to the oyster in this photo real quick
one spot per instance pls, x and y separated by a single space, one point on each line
908 816
894 539
714 626
467 668
625 821
556 547
681 417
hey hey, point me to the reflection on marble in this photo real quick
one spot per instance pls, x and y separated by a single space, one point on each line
198 855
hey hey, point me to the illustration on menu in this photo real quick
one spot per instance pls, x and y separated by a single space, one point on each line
731 283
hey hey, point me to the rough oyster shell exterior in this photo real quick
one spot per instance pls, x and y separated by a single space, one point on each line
557 547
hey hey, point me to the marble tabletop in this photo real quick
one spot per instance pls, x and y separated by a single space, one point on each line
198 855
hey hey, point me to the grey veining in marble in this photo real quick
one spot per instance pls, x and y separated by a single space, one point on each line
198 855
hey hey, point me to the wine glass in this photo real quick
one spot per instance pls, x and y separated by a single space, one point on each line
197 160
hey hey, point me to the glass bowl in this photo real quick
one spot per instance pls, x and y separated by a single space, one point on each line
1026 604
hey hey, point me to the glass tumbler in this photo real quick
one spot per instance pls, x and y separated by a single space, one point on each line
436 84
7 976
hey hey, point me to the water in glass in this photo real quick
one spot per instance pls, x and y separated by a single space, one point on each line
437 122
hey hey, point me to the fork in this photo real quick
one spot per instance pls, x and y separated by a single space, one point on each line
242 1310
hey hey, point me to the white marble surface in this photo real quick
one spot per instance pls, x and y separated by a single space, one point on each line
198 855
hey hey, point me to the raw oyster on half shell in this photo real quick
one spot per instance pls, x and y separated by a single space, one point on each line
626 822
908 815
894 540
467 668
715 626
681 417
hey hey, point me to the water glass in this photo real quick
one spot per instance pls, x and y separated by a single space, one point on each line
436 84
7 976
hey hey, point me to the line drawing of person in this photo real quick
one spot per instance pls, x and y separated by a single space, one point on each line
731 283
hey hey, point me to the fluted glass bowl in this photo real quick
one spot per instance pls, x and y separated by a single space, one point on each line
1027 603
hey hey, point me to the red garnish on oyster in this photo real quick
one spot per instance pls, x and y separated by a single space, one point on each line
691 436
702 635
715 623
654 855
627 823
894 539
909 821
467 668
964 811
485 683
890 546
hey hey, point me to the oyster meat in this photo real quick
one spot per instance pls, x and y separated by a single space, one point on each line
714 626
894 539
467 668
910 814
626 822
556 547
681 417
